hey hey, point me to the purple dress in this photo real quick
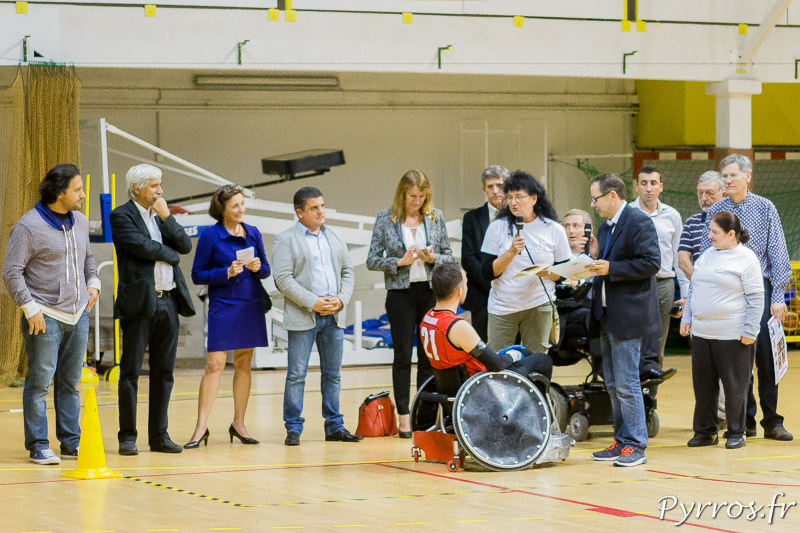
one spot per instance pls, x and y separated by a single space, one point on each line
235 309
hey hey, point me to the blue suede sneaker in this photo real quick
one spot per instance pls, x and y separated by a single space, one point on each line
630 457
45 457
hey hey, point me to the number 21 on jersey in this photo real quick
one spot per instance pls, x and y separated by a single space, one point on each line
429 342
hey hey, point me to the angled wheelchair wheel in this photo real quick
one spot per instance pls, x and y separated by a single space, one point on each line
423 412
578 427
502 420
560 406
653 424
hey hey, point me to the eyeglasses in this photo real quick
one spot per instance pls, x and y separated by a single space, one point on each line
595 198
510 199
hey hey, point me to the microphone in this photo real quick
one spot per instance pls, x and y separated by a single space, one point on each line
518 222
587 232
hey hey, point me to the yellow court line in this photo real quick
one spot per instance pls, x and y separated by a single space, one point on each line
202 467
409 523
649 446
351 525
528 518
287 527
767 457
154 530
100 531
225 529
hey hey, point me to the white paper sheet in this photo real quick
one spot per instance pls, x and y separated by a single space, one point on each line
575 268
245 254
778 342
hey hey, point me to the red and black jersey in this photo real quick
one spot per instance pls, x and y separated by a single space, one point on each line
440 351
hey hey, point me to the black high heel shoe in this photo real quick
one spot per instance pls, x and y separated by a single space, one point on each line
245 440
196 443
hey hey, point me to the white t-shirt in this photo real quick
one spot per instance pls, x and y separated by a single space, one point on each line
720 280
547 243
415 237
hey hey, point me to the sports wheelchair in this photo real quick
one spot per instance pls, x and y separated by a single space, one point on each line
503 420
577 407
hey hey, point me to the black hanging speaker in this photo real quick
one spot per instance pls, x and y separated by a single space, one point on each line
303 164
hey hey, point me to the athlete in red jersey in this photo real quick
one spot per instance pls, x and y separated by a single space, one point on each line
435 326
450 341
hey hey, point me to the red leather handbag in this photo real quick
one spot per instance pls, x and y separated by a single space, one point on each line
376 416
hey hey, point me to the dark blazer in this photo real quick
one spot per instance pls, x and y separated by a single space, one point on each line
473 231
630 285
137 254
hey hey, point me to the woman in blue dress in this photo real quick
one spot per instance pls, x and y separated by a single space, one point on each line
236 318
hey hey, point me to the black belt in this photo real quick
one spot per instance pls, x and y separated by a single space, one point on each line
163 294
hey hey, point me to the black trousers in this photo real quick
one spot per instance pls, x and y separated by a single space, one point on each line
714 360
160 333
405 309
537 362
765 366
480 321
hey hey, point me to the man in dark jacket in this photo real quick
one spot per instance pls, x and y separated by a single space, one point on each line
472 232
624 307
151 294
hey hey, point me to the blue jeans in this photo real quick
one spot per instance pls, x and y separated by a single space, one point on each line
57 356
621 375
330 345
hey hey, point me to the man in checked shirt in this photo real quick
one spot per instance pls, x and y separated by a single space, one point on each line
767 240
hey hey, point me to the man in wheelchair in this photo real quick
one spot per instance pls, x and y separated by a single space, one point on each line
490 406
450 341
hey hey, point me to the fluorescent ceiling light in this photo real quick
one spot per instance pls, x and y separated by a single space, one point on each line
307 82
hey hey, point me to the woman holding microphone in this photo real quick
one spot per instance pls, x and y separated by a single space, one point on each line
408 239
236 318
723 315
525 233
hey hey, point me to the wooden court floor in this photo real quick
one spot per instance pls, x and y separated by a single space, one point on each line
375 486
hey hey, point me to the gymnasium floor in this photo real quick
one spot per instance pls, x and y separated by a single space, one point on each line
375 486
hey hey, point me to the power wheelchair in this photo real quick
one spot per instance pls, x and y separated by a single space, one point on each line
502 420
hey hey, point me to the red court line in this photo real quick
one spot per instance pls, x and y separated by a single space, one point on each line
725 480
35 482
588 506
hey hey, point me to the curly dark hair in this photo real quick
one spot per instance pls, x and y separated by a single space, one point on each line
522 181
56 181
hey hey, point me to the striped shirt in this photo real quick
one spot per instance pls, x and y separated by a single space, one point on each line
759 216
693 230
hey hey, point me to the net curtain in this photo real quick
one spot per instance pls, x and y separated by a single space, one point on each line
39 128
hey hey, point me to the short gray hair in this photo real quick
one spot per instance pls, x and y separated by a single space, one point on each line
580 213
138 176
494 171
712 176
745 165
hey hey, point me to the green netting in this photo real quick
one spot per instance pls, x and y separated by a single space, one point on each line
777 180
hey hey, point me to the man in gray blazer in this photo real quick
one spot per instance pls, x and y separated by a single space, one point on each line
312 269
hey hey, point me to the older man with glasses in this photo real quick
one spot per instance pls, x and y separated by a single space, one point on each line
760 217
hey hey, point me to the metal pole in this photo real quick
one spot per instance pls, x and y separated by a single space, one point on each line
104 155
97 316
219 180
357 327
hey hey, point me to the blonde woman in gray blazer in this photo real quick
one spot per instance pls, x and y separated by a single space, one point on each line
407 241
313 271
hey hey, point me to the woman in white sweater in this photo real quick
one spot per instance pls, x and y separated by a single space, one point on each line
724 306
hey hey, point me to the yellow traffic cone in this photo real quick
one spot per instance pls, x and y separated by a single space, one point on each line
91 454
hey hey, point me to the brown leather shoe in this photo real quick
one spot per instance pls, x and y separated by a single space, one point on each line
778 432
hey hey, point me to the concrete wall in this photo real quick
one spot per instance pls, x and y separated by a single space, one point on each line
386 124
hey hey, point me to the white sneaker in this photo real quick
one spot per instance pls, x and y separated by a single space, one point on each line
45 457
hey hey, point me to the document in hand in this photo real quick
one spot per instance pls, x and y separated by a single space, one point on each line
574 268
245 254
531 271
778 342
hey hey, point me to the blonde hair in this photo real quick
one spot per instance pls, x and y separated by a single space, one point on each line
412 178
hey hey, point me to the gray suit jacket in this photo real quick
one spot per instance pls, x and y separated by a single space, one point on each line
387 248
291 268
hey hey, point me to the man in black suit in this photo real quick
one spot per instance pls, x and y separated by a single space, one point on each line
472 232
624 307
151 294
